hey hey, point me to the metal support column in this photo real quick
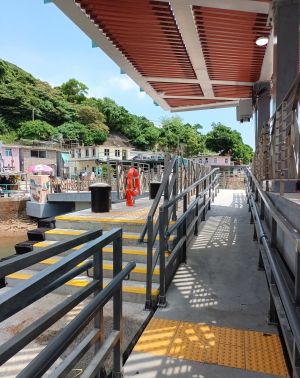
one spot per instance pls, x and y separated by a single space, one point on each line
286 50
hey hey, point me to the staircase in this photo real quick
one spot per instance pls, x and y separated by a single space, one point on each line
75 224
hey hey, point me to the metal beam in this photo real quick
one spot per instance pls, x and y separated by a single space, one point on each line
239 5
186 24
226 104
195 81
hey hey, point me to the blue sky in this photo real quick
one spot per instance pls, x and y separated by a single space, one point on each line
43 41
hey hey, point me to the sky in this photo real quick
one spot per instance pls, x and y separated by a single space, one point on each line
40 39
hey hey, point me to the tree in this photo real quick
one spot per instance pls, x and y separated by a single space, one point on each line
76 131
40 130
175 136
74 91
99 132
88 114
222 139
3 126
117 117
21 95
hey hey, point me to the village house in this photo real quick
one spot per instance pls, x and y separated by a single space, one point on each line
214 160
19 158
88 158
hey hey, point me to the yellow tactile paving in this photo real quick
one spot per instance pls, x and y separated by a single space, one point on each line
236 348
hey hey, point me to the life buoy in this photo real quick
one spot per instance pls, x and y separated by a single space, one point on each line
133 186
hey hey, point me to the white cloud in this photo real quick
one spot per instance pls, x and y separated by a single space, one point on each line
123 83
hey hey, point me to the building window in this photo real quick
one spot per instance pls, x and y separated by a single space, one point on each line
226 161
94 152
117 153
106 151
79 153
8 152
206 160
86 153
38 154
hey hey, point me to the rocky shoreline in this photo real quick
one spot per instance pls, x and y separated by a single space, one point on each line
13 227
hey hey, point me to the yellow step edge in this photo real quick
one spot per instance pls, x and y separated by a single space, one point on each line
136 237
128 251
82 283
103 220
56 231
106 266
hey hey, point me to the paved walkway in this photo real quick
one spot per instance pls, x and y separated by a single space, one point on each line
215 324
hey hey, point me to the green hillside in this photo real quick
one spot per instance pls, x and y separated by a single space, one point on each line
33 109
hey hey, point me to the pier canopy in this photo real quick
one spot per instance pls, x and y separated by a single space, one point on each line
186 54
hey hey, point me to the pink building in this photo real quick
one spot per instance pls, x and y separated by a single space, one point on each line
214 160
10 156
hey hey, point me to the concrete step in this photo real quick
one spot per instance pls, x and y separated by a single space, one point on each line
63 234
129 238
96 223
138 274
129 253
133 291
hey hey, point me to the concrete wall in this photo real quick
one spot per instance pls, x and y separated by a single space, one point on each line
50 158
11 208
11 161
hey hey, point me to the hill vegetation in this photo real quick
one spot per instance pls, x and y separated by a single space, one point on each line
32 109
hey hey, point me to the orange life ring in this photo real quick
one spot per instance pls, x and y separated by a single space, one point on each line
133 186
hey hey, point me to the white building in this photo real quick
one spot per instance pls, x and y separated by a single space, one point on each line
214 160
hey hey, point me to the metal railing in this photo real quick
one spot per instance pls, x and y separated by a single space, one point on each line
277 150
50 278
270 229
115 174
204 189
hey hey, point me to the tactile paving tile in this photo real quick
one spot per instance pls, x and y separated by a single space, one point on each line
236 348
157 337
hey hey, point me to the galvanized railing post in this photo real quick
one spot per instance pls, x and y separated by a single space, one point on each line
150 244
98 275
197 211
162 263
175 189
184 229
117 307
204 201
209 192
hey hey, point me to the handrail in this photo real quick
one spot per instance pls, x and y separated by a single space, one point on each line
284 284
291 232
190 188
208 189
58 345
54 276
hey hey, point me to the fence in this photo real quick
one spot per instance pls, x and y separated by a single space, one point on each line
182 180
274 233
44 282
278 148
232 177
114 174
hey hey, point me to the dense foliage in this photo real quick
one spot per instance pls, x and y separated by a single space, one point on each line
225 141
32 109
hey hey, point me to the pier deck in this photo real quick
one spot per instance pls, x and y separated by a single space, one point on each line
215 323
